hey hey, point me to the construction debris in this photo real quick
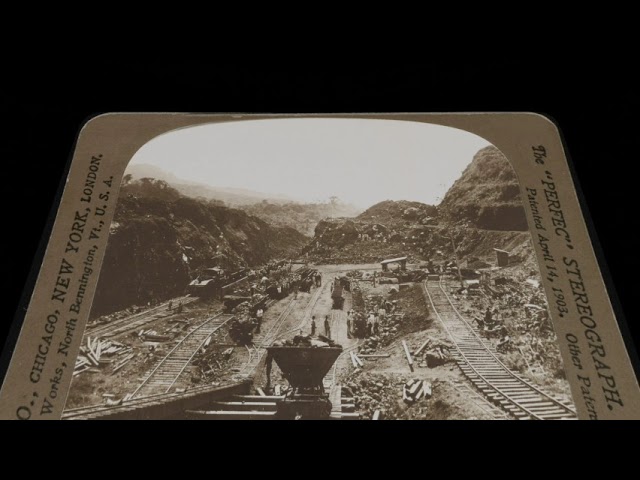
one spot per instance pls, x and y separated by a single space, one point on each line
417 352
122 363
356 361
306 341
153 336
408 354
433 353
98 353
414 390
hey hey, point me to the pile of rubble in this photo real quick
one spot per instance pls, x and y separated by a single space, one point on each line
154 336
98 353
433 353
388 396
514 313
210 363
306 341
373 393
241 329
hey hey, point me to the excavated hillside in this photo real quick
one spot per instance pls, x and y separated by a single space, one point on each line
481 211
386 229
487 194
302 216
159 239
400 212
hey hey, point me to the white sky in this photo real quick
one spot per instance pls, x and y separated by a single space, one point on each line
362 161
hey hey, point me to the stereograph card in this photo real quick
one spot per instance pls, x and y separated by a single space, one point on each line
347 266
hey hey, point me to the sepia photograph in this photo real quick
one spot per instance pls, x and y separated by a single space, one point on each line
319 268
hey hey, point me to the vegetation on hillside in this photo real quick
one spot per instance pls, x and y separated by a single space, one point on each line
159 239
302 216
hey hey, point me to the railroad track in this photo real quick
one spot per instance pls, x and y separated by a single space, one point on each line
344 359
262 340
162 378
137 320
101 410
480 364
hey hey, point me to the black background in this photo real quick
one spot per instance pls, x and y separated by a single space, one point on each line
596 106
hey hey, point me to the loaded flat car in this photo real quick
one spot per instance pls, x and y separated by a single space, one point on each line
208 283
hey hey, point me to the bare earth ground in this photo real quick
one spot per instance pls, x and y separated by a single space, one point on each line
379 384
376 386
89 387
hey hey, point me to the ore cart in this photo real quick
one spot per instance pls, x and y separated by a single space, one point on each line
305 368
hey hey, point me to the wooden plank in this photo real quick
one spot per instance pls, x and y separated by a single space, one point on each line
261 392
376 415
229 415
408 354
258 398
353 360
417 352
360 363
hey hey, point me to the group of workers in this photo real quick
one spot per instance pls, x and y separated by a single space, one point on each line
327 326
490 325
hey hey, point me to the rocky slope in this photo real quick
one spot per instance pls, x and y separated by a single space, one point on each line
402 212
302 216
230 196
481 211
486 195
159 239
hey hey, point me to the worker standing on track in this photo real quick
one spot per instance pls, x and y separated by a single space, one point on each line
327 327
259 314
313 326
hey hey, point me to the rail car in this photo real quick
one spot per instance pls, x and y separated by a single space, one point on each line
211 281
307 276
337 297
304 368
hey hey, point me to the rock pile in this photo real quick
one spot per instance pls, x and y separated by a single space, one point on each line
392 397
374 392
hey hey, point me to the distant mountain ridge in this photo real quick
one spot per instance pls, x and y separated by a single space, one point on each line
229 195
159 239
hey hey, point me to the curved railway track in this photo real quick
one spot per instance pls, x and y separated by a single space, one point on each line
262 341
158 383
170 368
135 321
481 365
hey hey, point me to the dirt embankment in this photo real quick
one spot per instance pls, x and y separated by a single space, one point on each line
160 239
487 194
519 305
482 210
378 385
